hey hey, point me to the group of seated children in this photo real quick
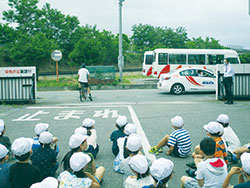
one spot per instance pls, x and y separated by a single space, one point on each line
210 158
37 163
37 159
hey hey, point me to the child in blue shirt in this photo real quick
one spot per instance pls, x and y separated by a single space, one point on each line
44 157
120 125
4 167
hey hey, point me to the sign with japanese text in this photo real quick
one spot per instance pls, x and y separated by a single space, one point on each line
17 71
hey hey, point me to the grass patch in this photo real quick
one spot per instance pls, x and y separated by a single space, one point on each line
63 82
73 81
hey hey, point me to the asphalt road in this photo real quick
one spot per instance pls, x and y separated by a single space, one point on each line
150 110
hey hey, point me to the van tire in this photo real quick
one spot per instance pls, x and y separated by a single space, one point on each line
177 89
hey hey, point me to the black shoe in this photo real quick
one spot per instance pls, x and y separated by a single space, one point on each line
90 98
230 102
191 172
191 165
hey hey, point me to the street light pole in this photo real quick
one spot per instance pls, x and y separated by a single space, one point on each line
120 58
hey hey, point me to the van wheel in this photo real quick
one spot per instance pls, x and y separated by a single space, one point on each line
177 89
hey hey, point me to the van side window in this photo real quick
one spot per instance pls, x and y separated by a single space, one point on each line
149 59
177 58
198 59
215 59
163 59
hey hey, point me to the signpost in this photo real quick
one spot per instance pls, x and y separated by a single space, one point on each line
56 55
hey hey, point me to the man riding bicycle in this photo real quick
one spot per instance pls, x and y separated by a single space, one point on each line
83 75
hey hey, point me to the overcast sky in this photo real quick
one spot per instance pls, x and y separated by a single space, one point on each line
225 20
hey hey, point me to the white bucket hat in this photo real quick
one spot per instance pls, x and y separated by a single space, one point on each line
49 182
245 161
81 130
87 122
121 121
46 138
130 129
78 161
76 140
177 121
139 164
21 146
1 126
3 151
41 127
214 127
223 118
161 168
134 142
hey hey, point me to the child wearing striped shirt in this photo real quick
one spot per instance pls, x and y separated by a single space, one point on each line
179 141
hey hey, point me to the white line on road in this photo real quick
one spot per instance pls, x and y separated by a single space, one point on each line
145 144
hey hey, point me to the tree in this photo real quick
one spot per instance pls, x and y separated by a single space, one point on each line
88 51
146 37
23 13
245 58
56 25
7 34
31 50
208 43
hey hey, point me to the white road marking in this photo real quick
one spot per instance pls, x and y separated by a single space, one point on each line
145 144
28 117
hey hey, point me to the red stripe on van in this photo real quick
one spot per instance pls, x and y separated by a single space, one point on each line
166 69
149 71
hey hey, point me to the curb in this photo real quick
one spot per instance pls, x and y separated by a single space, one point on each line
102 87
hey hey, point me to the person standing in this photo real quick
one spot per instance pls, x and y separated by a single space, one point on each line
83 75
228 80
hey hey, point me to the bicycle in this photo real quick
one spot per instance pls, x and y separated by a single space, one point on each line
83 93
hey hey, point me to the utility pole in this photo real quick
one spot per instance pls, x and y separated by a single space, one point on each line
120 57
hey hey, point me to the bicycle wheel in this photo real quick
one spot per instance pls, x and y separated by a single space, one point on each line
81 98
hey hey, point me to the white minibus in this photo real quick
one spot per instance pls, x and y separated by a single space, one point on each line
166 60
147 63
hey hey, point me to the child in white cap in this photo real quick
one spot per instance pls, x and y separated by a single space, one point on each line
82 130
121 143
78 143
242 172
49 182
4 167
133 146
214 130
120 124
89 125
40 128
79 178
162 171
139 166
179 141
44 157
229 137
22 173
4 139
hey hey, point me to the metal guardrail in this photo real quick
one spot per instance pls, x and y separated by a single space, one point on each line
241 86
17 89
102 72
